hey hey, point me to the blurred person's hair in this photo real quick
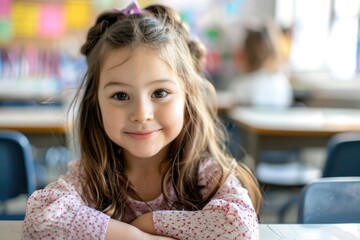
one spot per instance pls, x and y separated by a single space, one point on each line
260 48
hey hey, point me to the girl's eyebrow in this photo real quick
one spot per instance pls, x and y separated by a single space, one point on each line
115 83
165 80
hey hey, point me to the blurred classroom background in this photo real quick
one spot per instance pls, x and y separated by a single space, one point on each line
40 64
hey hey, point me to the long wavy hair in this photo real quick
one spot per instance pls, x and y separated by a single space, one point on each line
159 28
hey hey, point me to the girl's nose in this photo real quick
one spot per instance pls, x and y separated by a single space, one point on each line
142 111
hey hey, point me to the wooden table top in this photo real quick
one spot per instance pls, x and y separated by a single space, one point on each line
35 119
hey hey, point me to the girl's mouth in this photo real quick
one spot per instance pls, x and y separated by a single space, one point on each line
143 135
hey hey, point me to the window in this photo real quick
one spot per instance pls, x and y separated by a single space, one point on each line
325 35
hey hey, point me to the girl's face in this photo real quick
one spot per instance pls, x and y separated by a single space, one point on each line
141 101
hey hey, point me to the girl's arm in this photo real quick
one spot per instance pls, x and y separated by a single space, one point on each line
145 223
58 212
229 215
118 230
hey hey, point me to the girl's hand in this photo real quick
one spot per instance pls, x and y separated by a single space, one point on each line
145 223
154 237
119 230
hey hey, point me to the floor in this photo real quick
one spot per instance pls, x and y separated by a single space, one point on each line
273 201
275 198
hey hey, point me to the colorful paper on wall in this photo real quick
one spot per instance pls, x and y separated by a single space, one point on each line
5 30
102 5
77 14
25 17
233 7
5 6
144 3
52 20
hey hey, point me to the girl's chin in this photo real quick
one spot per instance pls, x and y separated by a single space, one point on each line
157 150
141 154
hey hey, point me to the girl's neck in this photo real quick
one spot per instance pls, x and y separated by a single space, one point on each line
145 174
137 165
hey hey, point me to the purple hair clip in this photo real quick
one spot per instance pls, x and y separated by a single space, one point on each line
132 8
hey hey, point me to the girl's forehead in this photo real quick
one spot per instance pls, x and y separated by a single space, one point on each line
120 56
115 57
140 62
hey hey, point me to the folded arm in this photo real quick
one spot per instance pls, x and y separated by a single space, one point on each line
59 212
229 215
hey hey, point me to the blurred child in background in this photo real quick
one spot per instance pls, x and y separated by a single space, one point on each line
261 82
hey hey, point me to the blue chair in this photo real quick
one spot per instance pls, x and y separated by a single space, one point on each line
17 171
343 155
330 200
342 160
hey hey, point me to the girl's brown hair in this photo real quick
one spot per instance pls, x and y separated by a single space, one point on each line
107 187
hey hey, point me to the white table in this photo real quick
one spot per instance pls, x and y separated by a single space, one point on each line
12 230
35 119
309 231
296 127
44 126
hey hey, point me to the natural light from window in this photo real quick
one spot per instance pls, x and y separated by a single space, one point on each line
325 35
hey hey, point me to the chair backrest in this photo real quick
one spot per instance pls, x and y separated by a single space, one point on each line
330 200
17 171
343 155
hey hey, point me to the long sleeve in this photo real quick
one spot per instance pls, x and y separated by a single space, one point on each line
58 212
229 215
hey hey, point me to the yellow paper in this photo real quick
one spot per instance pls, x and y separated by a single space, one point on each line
145 3
25 17
78 14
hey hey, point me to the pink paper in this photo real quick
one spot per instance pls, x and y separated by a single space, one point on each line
5 6
52 21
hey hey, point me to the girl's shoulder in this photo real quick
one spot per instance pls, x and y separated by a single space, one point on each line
74 167
209 169
75 174
207 163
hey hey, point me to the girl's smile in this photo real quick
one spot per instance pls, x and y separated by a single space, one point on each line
143 135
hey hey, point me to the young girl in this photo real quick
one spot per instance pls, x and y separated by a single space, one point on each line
152 163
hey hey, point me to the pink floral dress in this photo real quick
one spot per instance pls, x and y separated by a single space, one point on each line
59 211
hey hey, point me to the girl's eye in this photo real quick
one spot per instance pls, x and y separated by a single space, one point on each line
121 96
161 93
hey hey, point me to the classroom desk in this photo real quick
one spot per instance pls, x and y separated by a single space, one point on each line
309 231
34 119
44 126
225 101
292 128
12 230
